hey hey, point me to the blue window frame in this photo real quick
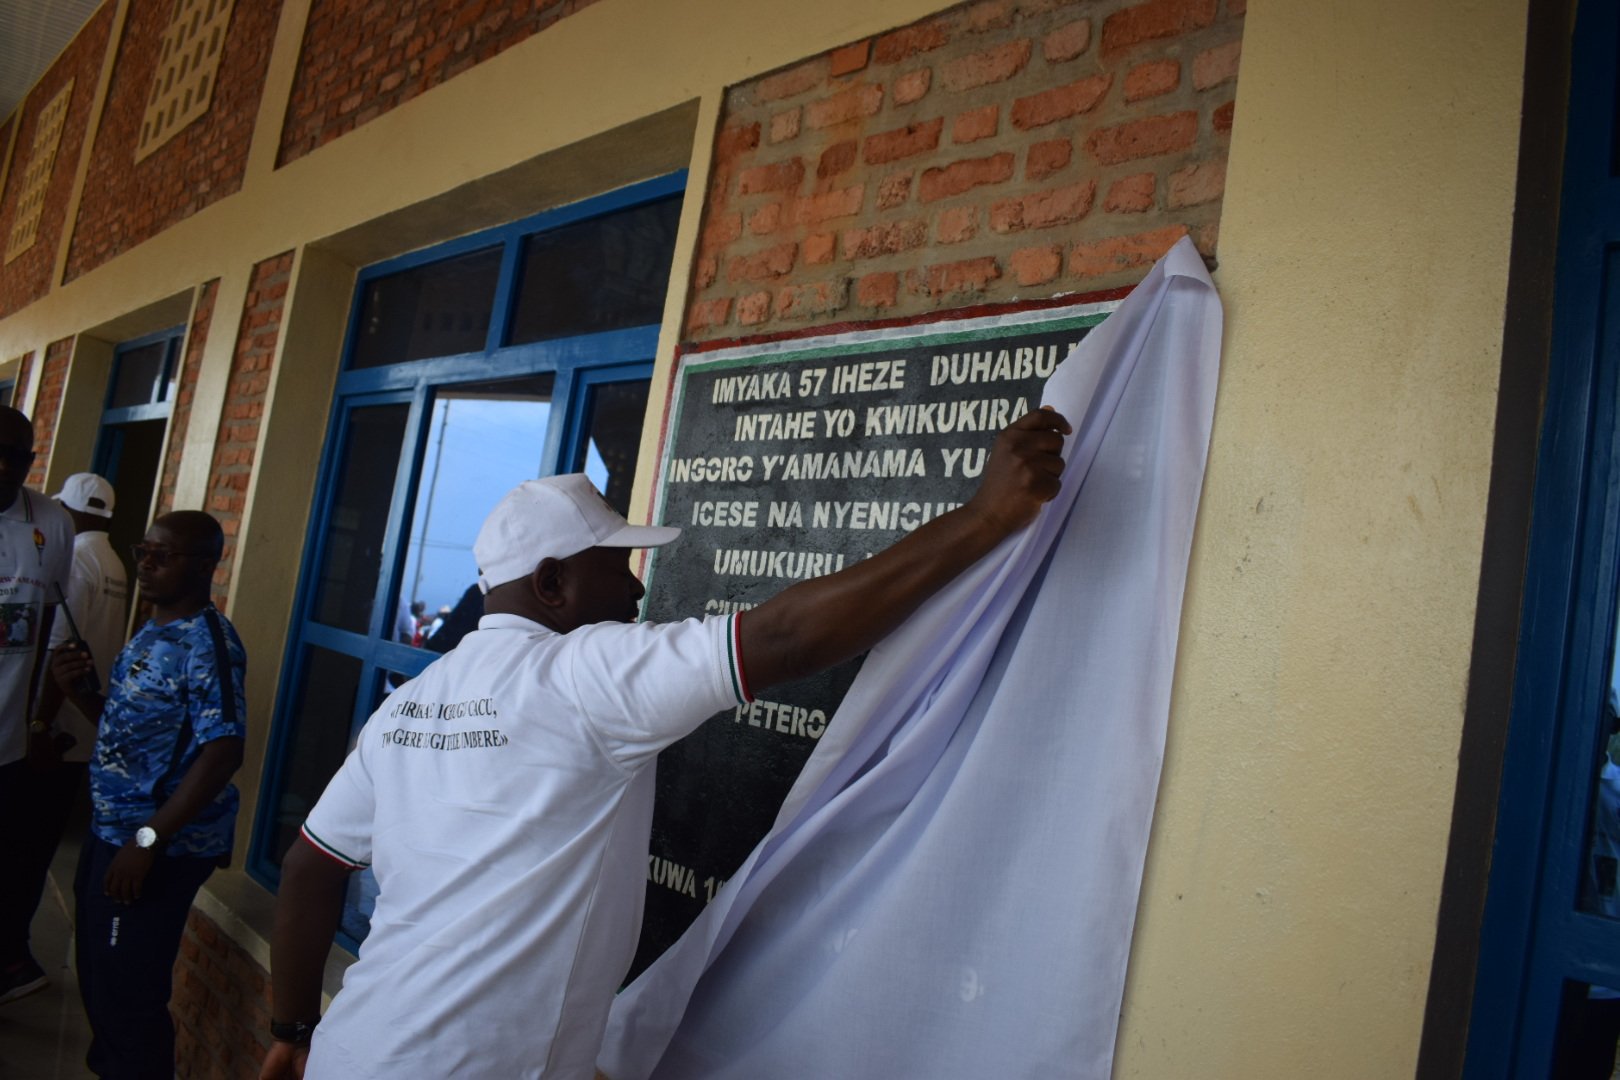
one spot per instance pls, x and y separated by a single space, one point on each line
134 421
1548 948
384 448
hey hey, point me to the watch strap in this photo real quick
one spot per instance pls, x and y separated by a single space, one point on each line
296 1032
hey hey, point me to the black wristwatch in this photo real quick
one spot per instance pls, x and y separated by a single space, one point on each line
296 1032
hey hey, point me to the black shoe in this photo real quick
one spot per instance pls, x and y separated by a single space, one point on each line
21 979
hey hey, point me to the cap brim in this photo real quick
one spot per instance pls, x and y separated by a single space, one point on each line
640 536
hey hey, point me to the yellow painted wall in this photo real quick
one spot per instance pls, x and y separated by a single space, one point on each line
1288 914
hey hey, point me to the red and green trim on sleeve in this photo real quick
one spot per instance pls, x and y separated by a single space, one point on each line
734 659
329 851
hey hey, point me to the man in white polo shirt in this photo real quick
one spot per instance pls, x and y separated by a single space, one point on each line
503 797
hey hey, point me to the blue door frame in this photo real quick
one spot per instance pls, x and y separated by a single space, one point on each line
110 440
1535 937
577 363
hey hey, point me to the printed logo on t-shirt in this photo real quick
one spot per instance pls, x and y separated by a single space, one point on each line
18 623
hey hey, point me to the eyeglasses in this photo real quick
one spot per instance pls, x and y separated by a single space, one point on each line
159 556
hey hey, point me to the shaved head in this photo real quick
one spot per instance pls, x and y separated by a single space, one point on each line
197 530
16 453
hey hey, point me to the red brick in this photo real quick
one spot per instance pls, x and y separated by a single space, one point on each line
1060 102
765 219
957 224
1067 41
836 158
1043 209
849 59
887 239
789 83
1153 21
721 229
851 104
1147 137
778 176
708 270
912 86
960 176
993 65
815 298
732 142
1221 119
785 125
819 248
754 308
1152 79
894 189
976 124
1131 195
909 41
708 313
903 142
1036 265
1215 66
773 262
1117 254
944 280
1046 158
989 15
1197 184
829 204
879 290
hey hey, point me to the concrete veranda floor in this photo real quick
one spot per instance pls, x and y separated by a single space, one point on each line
44 1036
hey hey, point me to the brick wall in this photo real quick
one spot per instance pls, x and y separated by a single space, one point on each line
126 202
28 277
237 442
185 393
221 1006
19 395
361 58
53 378
1000 150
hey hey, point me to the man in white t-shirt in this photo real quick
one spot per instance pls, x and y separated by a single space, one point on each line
504 797
36 551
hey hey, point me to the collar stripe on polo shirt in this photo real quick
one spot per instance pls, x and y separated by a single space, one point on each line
739 679
328 850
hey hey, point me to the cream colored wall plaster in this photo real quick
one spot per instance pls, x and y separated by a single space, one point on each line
1287 921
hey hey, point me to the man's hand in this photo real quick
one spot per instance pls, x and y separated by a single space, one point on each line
128 873
69 661
284 1061
1025 470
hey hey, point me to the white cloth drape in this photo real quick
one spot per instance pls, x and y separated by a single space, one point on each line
950 888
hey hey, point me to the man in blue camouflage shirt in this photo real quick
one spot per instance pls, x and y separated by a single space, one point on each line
171 728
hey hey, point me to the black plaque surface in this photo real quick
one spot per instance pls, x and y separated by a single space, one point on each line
783 462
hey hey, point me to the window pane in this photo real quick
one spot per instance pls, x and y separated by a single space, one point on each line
319 740
1588 1028
346 584
139 376
483 440
440 309
613 419
604 274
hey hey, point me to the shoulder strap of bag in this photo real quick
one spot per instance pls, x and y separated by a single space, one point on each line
227 703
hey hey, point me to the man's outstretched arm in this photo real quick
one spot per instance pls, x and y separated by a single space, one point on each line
308 910
821 622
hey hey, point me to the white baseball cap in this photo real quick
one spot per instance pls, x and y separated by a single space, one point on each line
87 493
552 518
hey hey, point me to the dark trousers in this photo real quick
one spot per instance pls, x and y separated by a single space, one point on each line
126 958
34 808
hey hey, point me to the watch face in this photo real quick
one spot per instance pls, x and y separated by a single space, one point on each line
145 836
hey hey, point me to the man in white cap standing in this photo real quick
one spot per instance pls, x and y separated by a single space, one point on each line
504 796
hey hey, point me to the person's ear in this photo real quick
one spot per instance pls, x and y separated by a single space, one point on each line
547 582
